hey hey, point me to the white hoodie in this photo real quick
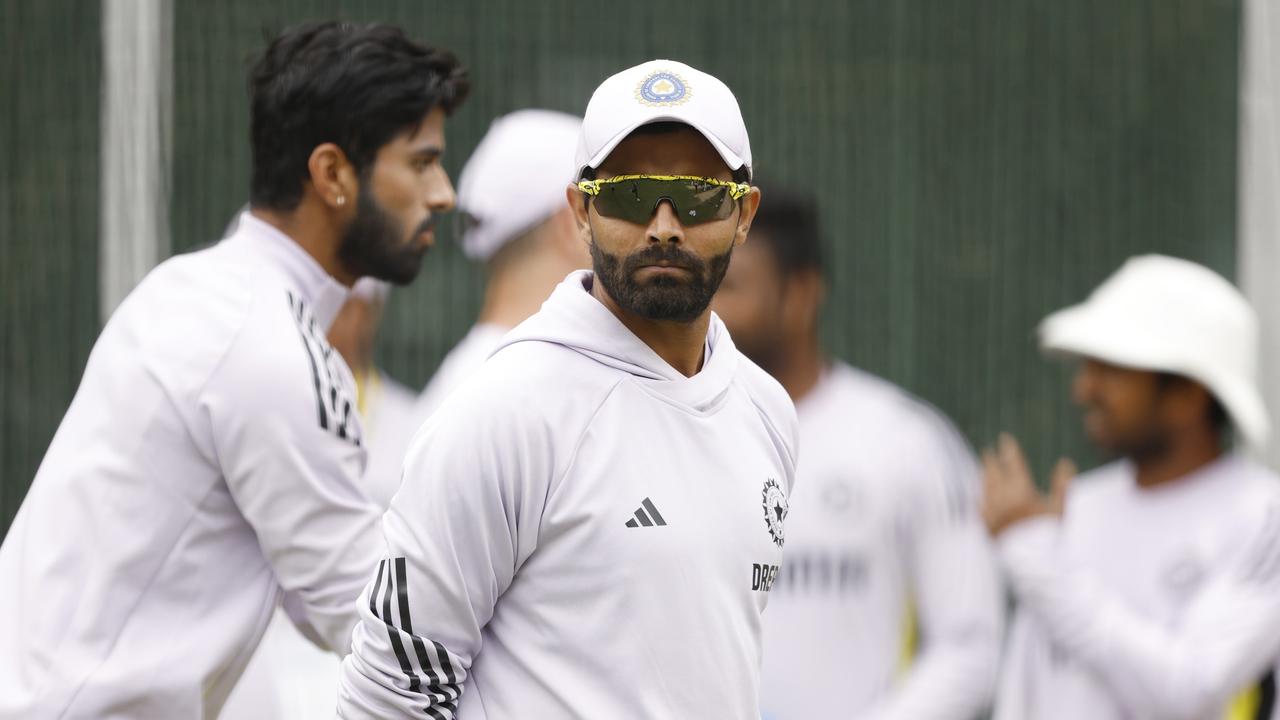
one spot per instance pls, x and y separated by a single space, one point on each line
209 459
582 531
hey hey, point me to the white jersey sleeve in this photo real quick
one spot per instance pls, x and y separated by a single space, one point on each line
294 473
1227 636
956 588
464 521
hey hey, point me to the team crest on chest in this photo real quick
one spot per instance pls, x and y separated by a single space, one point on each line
775 510
663 88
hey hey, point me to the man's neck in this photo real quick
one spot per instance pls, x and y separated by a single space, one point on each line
682 345
1185 456
513 294
314 236
800 368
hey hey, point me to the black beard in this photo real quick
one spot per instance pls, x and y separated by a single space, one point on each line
662 298
1152 446
374 243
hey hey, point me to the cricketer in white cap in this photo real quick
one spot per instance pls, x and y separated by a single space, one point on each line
511 199
1149 587
590 525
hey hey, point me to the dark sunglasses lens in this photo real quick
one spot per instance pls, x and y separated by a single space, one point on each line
629 200
636 200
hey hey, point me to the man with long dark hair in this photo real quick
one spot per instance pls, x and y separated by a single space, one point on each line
210 460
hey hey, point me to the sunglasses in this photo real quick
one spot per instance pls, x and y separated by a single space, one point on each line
635 198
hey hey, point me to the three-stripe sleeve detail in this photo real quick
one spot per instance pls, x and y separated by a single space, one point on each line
442 689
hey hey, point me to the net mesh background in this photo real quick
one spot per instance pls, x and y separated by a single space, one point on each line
978 163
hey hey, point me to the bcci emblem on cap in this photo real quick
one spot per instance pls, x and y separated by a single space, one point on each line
775 510
663 88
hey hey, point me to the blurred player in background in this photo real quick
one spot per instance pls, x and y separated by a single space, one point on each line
888 604
1151 587
589 525
211 457
511 199
386 406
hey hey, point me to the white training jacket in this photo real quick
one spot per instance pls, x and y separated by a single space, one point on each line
289 677
888 606
1153 603
582 532
209 459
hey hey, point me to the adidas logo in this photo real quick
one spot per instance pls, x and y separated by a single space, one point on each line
649 519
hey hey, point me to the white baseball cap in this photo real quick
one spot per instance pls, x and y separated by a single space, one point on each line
516 177
657 91
1170 315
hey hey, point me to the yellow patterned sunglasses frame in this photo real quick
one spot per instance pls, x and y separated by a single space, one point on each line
696 199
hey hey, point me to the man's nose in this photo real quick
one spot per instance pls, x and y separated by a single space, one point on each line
665 226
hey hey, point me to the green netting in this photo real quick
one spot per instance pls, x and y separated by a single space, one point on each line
49 83
979 163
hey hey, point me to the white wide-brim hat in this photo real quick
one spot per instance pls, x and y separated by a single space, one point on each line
1165 314
658 91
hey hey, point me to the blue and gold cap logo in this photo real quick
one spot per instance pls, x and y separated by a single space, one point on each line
663 88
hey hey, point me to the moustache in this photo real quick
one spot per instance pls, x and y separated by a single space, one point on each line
669 255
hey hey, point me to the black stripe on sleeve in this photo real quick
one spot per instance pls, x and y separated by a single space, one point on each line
298 308
419 649
373 596
443 683
447 667
393 633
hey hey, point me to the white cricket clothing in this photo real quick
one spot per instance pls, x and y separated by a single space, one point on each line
289 677
1156 602
209 459
884 522
390 420
464 359
582 532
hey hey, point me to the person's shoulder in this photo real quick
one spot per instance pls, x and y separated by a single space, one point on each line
771 401
1255 484
201 283
530 382
902 423
183 317
1099 487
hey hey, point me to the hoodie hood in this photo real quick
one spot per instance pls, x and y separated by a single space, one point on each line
575 319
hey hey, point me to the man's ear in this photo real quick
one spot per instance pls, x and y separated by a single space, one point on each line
567 240
581 210
333 176
748 205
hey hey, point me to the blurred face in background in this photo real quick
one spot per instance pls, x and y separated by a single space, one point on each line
396 207
752 302
1137 413
663 270
769 312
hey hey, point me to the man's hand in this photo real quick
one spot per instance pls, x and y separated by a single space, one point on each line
1009 495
